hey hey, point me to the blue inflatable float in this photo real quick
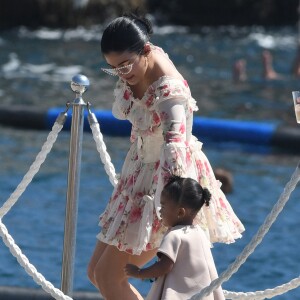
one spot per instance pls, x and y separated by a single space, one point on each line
206 129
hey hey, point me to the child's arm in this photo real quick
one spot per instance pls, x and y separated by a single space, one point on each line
160 268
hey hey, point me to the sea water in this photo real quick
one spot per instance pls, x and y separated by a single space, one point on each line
36 68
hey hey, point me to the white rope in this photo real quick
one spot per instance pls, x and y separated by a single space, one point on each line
266 294
110 170
28 267
57 127
105 158
290 186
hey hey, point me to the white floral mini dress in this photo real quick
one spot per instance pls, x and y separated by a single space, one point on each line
161 143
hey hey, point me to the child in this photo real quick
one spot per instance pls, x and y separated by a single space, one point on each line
185 264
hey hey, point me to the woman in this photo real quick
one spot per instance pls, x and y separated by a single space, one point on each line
156 99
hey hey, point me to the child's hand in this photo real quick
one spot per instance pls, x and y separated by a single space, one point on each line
132 270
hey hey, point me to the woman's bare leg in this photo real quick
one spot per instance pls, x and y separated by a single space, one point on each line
98 251
109 274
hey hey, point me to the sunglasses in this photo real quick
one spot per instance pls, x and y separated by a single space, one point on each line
124 70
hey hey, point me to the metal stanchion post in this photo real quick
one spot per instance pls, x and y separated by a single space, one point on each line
79 85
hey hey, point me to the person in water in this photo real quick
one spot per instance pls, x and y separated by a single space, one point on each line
156 99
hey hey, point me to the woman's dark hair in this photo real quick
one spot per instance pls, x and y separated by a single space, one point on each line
187 192
127 33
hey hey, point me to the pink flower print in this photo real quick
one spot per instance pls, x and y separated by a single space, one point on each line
222 203
164 87
149 100
199 165
121 228
156 165
168 137
155 118
188 157
130 180
164 116
115 196
135 214
156 225
207 168
126 95
166 94
185 83
176 139
155 179
173 138
119 189
121 207
139 195
199 177
182 128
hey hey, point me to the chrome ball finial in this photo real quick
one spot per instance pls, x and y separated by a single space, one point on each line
79 84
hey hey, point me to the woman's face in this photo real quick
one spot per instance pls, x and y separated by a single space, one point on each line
130 66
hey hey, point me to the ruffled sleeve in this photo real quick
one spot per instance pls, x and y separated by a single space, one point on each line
123 103
171 107
173 121
171 88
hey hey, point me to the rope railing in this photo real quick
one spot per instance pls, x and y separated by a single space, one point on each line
6 237
28 267
34 168
101 147
110 170
290 186
266 294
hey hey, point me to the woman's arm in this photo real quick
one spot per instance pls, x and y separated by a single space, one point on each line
160 268
173 122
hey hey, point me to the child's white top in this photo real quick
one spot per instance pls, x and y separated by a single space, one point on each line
194 267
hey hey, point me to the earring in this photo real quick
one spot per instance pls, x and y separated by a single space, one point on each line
147 49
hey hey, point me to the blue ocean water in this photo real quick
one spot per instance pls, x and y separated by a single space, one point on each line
36 68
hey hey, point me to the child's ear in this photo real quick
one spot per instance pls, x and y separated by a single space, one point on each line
181 212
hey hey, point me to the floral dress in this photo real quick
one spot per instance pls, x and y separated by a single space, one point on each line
161 143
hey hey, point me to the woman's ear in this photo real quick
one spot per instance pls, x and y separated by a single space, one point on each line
147 49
